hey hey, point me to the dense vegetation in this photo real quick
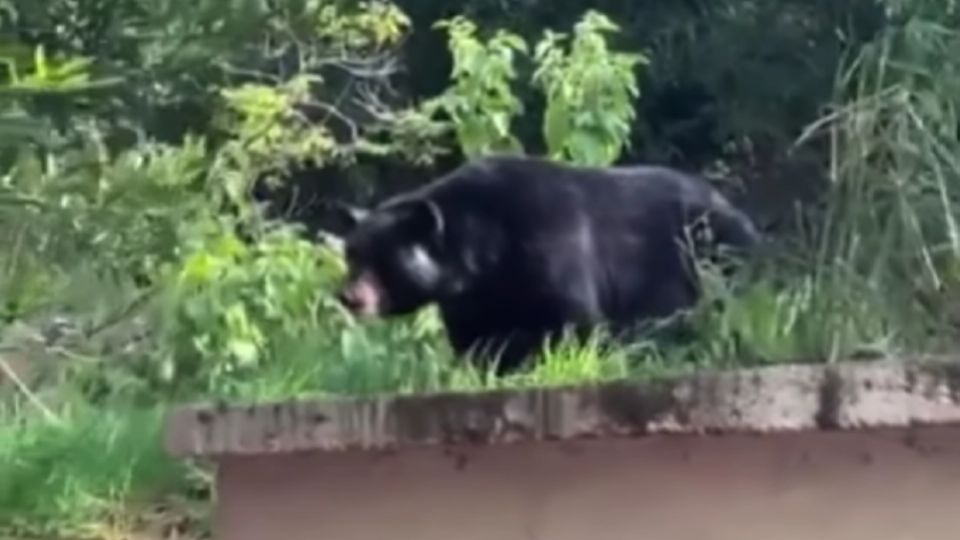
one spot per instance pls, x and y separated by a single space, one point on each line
160 159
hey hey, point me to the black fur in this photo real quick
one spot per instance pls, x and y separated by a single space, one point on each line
514 249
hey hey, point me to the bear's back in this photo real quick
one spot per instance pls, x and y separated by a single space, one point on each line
532 191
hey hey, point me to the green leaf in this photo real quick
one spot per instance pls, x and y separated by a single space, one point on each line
555 128
245 351
588 150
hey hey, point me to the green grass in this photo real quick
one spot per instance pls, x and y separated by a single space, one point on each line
71 476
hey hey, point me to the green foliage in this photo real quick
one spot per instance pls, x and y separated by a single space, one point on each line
262 119
92 202
71 198
781 311
46 76
372 26
122 216
230 303
69 477
590 93
175 59
878 273
732 80
892 208
480 102
132 133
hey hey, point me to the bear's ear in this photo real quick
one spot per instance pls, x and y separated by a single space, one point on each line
422 218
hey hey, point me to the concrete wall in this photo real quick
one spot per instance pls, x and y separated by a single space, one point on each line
892 484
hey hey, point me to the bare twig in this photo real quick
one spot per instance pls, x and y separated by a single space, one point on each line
233 70
333 111
9 373
123 314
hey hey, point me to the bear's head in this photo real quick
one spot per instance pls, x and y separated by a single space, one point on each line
395 258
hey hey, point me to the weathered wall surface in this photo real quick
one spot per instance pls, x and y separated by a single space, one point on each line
853 395
851 451
889 485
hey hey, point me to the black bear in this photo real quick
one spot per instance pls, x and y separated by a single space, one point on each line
514 249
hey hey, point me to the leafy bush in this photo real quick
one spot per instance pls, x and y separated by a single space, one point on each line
589 91
480 102
136 232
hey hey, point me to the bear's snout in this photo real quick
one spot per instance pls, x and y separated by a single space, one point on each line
361 296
